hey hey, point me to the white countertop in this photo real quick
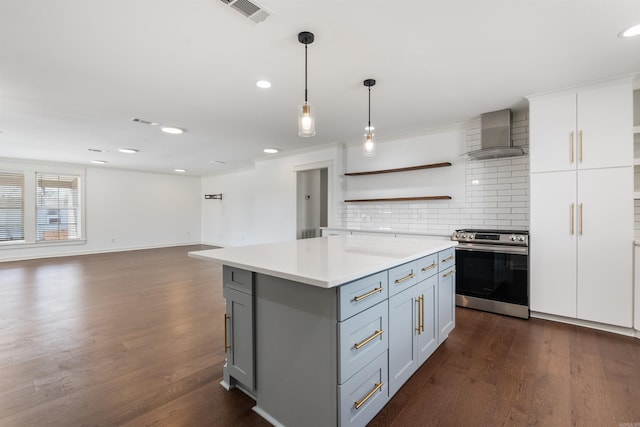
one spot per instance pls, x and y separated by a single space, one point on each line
325 261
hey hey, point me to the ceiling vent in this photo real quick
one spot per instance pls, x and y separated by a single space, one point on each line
249 9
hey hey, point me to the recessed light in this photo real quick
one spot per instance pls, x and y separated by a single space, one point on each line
263 84
271 150
180 170
172 130
630 32
128 150
99 162
97 150
217 162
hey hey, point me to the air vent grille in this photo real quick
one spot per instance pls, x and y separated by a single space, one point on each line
246 7
249 9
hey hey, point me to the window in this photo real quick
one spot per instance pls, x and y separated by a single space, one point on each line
11 206
57 207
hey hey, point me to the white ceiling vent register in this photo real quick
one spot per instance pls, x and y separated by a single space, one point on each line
249 9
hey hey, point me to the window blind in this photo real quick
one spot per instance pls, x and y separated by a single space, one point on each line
11 206
57 207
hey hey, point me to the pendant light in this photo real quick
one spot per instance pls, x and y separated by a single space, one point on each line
369 147
306 123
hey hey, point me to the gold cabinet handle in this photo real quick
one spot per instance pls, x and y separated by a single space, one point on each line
429 267
449 273
407 277
580 136
367 295
377 387
573 218
376 334
573 148
226 346
580 224
419 315
422 309
449 258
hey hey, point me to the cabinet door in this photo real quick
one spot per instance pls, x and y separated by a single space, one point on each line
240 354
428 306
604 129
552 245
402 338
446 303
605 246
552 133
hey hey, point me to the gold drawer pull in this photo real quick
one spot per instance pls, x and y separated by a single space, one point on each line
449 273
226 347
367 295
358 345
449 258
429 267
368 396
422 309
407 277
418 312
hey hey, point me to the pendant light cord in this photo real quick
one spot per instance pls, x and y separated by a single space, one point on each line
369 110
305 73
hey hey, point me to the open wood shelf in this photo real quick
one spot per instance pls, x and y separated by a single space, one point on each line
407 169
400 199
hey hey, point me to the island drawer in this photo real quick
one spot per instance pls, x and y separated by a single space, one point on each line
427 266
362 338
361 294
446 259
238 279
402 277
364 395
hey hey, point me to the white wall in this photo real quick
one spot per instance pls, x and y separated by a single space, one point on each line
259 205
124 210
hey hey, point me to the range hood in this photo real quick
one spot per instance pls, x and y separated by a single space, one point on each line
495 137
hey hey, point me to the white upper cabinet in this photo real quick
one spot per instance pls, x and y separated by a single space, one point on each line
587 128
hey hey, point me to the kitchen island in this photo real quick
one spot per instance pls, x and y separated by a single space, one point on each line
324 331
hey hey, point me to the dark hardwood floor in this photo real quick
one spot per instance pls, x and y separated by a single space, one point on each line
135 338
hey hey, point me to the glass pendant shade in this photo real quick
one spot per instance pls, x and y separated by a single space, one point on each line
306 122
369 147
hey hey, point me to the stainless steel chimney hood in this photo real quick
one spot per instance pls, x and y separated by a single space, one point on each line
495 137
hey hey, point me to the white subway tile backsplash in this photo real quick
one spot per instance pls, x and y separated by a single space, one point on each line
496 196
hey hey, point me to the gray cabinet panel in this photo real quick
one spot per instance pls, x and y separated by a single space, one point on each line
427 266
361 294
428 336
446 303
240 338
402 332
402 277
364 395
361 339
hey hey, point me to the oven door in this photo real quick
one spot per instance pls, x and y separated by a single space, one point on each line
494 272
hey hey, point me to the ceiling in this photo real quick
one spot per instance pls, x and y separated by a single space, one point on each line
74 73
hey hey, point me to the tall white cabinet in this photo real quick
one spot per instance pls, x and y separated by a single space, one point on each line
581 154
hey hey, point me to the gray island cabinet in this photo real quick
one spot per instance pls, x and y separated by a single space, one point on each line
324 331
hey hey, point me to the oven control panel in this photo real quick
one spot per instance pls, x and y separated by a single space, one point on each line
517 238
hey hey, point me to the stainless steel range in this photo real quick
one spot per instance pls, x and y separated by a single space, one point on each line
492 271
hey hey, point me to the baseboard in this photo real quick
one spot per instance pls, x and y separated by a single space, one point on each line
95 251
620 330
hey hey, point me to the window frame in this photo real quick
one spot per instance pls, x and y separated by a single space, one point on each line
30 171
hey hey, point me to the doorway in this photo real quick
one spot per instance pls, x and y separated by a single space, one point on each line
312 202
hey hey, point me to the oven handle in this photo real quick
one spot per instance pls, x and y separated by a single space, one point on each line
505 249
